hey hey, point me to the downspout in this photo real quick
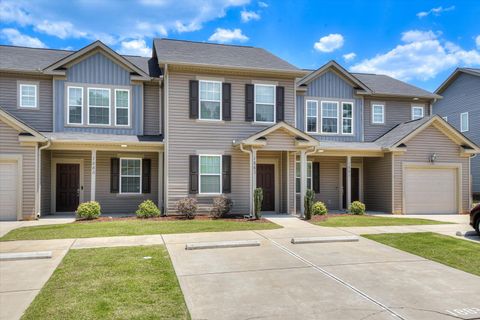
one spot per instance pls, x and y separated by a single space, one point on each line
166 127
39 171
250 193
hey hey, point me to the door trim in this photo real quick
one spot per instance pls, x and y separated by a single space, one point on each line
358 166
53 181
18 158
275 162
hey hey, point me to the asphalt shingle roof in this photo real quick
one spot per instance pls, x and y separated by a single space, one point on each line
399 132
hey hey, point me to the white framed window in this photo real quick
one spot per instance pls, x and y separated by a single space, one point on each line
311 114
265 103
329 122
130 175
378 113
298 180
464 125
122 107
74 105
445 118
99 106
210 93
28 96
210 174
417 112
347 117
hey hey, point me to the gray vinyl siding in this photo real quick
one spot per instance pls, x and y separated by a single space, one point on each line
377 184
189 136
41 118
427 142
46 176
11 146
463 95
151 114
396 111
330 86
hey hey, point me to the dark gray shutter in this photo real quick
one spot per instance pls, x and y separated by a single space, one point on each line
226 174
193 174
114 175
146 175
249 101
316 177
193 99
280 98
227 101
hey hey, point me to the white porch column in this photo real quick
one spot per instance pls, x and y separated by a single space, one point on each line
349 182
303 181
93 175
254 178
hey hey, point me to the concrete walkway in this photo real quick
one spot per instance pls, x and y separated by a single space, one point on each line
7 226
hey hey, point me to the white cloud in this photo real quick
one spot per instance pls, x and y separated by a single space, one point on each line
477 41
227 35
61 29
262 4
329 43
249 15
192 26
435 11
349 56
136 47
16 38
12 12
419 57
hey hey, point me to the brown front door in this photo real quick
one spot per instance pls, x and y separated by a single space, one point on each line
355 185
266 181
68 187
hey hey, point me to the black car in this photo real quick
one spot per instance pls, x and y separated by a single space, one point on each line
475 218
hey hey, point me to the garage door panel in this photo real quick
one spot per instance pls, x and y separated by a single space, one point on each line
8 190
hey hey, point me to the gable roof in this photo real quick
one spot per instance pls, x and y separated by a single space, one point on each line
302 137
454 75
20 125
170 51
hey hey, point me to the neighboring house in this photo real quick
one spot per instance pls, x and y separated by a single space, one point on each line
460 107
201 120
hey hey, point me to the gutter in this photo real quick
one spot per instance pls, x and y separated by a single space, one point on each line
250 194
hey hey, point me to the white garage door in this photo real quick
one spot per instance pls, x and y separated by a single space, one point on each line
8 190
430 191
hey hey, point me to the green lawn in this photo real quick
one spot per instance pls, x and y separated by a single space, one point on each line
371 221
111 283
131 228
456 253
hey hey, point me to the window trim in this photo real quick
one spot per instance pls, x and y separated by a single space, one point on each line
321 117
26 84
352 118
373 113
274 105
306 116
116 107
121 176
68 105
209 174
299 177
417 107
200 100
462 129
109 107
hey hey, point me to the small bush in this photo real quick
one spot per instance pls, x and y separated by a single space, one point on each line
89 210
357 208
147 209
257 200
308 202
221 206
319 208
188 207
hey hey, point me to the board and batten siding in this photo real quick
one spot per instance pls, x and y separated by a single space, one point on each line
377 184
419 149
330 86
463 95
39 118
190 136
9 145
151 113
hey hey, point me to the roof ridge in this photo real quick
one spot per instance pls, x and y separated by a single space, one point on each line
25 47
210 43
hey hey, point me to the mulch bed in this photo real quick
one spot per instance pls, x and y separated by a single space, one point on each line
232 218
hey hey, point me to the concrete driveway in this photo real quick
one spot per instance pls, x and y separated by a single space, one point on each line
279 280
7 226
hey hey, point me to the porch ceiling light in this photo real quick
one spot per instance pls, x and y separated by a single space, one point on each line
123 145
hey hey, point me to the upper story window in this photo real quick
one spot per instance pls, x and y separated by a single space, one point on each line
130 175
210 174
28 95
378 113
265 103
311 116
298 180
329 117
417 112
122 107
464 125
75 105
98 106
347 118
210 100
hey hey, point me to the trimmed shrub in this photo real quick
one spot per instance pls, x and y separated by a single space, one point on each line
258 199
89 210
357 208
308 202
188 207
319 208
147 209
221 206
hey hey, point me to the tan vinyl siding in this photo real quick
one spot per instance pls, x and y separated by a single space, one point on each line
419 149
151 112
279 140
46 182
378 183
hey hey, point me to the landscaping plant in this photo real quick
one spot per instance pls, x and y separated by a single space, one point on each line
221 206
258 199
147 209
319 208
357 208
188 207
308 202
89 210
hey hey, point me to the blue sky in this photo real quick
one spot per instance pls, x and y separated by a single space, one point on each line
417 41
